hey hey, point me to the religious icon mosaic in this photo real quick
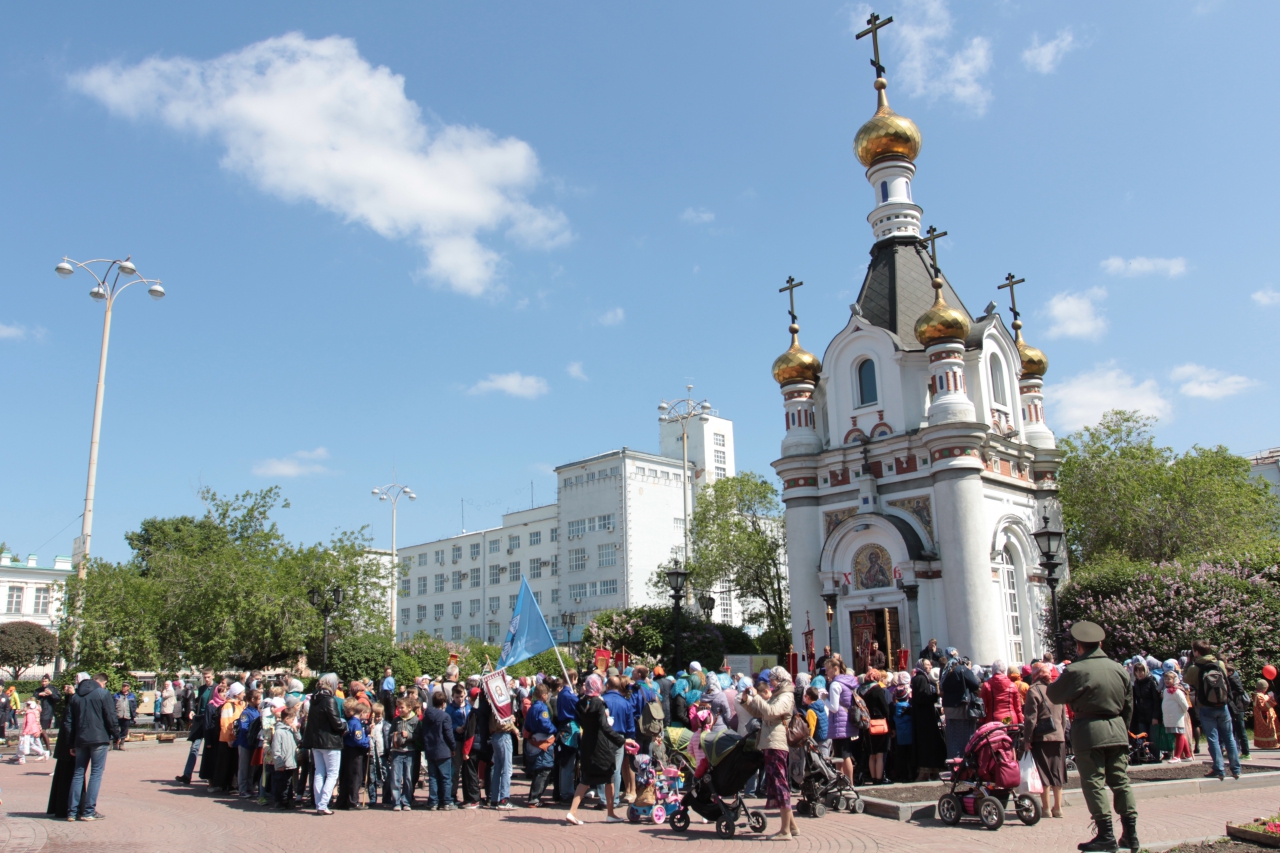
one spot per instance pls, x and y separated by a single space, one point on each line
872 567
918 506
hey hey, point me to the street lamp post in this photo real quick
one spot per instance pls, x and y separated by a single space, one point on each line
106 293
330 602
393 492
708 605
681 412
569 619
1049 541
676 577
830 599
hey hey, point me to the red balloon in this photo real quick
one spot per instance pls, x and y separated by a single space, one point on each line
1269 672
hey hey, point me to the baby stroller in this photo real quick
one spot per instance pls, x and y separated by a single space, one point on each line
718 794
984 778
1141 750
824 788
657 790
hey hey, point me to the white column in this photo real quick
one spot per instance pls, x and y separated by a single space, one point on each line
1031 391
802 436
804 556
950 391
895 214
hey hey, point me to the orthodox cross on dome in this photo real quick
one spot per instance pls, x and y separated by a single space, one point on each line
873 28
934 236
790 290
1013 300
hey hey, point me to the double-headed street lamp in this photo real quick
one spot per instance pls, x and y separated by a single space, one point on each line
830 599
676 577
105 289
393 492
327 602
681 412
1049 541
708 605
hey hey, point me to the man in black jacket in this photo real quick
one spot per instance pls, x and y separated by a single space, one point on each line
94 726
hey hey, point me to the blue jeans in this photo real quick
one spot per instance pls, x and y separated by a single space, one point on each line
191 758
97 755
1216 724
401 778
440 782
500 778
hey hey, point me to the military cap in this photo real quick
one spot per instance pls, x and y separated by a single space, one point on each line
1088 632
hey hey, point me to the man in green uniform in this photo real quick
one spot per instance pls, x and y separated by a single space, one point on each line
1101 699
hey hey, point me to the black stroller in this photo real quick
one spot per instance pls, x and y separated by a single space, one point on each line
718 795
824 788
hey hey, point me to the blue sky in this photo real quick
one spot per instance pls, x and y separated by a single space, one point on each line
473 241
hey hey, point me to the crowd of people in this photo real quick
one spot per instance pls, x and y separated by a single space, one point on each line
438 743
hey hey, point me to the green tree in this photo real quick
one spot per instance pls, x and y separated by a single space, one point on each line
119 621
1124 495
739 538
648 634
24 645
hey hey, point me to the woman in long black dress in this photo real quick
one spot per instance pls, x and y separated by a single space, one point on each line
598 746
212 712
60 790
877 745
931 749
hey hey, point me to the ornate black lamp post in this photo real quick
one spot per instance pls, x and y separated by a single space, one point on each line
1049 541
569 619
327 604
830 599
708 604
676 577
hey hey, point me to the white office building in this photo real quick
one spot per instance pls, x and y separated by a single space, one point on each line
619 515
33 593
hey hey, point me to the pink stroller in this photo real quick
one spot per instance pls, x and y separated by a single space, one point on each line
985 777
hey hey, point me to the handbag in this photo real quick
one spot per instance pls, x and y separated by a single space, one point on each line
797 730
1030 782
878 727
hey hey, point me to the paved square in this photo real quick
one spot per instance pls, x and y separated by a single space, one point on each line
147 812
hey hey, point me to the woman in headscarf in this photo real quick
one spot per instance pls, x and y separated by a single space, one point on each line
168 700
931 750
678 712
227 769
718 702
65 767
956 684
877 744
1044 728
1146 703
598 747
212 713
1264 716
323 737
774 716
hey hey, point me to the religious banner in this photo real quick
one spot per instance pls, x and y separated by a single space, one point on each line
793 663
809 654
495 687
904 660
453 658
620 658
601 659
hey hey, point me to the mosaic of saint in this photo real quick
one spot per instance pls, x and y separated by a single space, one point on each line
872 567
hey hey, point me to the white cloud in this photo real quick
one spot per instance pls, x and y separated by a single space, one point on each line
1265 297
697 216
1044 58
1168 267
294 465
1075 315
1200 381
1082 400
12 333
313 120
928 69
575 370
515 384
612 317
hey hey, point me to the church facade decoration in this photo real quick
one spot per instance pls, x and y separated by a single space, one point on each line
925 422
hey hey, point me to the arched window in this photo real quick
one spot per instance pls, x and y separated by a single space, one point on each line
1011 583
998 390
867 383
884 190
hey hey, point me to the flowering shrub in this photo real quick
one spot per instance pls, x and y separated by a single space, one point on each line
648 633
1161 609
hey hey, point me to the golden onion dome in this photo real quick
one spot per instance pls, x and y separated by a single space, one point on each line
886 134
941 322
796 364
1034 361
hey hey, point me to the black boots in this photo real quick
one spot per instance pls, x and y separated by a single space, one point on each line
1104 841
1129 839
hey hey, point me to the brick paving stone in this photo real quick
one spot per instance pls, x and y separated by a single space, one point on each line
147 811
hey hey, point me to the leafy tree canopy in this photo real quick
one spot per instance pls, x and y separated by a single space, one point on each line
24 645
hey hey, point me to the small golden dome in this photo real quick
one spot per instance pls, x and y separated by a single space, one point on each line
886 133
941 322
1034 361
796 364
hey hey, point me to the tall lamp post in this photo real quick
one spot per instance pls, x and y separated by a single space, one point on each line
676 577
681 412
830 599
1049 541
105 290
708 605
393 492
327 604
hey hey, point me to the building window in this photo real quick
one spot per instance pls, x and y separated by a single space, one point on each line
591 589
591 475
422 612
475 551
493 603
720 457
679 525
577 528
455 632
513 572
422 585
577 479
677 477
493 632
607 555
555 595
600 522
495 575
438 610
884 191
455 609
867 394
535 537
422 558
439 634
456 579
404 614
997 382
577 559
511 600
475 632
440 557
404 586
494 545
537 597
535 568
609 587
613 471
577 590
440 582
513 542
475 606
457 553
568 481
721 472
555 534
555 565
718 439
475 578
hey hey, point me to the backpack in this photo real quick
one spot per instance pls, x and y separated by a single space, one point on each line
859 714
1214 690
797 730
652 719
255 731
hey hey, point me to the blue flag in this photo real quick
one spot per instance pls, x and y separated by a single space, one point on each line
528 634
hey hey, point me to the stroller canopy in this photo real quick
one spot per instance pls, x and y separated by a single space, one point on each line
717 745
